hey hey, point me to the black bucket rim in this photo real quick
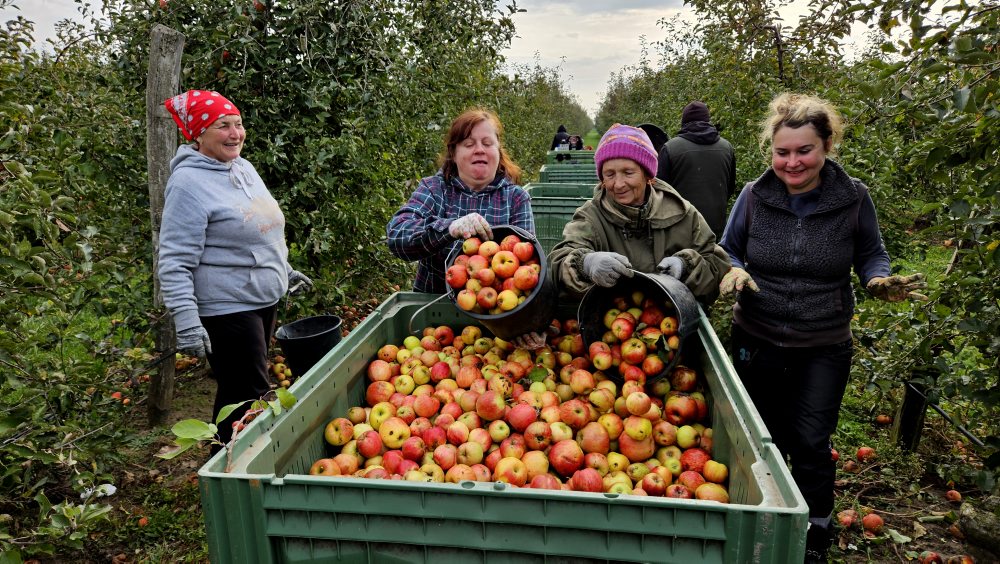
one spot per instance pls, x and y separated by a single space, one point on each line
544 283
335 327
676 291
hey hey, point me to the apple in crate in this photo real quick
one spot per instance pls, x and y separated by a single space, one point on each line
587 480
339 431
694 459
511 470
715 471
394 432
324 467
711 491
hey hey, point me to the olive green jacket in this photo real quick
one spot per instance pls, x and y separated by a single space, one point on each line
666 225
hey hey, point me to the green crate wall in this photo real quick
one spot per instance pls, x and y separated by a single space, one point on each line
577 173
553 157
267 509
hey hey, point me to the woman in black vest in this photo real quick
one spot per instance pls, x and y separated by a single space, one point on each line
793 236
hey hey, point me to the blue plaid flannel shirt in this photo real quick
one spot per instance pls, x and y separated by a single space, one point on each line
419 230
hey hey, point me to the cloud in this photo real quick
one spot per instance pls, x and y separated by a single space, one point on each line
587 41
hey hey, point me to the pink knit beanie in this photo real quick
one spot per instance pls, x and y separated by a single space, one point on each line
626 142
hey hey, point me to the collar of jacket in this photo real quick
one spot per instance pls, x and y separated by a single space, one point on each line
838 189
663 208
499 181
700 132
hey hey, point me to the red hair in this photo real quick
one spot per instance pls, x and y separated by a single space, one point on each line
460 130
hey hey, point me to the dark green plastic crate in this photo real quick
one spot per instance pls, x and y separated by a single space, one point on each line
570 157
579 173
551 215
266 509
580 190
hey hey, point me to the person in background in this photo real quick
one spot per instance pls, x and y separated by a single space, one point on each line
793 236
475 188
223 262
635 222
575 143
560 138
701 165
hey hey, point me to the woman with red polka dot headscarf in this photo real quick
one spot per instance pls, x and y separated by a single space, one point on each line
223 262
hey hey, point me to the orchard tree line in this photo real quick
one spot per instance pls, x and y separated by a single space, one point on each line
924 134
346 104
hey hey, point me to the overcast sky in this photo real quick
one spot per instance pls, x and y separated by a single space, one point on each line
586 40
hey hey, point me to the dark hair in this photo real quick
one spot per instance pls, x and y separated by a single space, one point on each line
460 130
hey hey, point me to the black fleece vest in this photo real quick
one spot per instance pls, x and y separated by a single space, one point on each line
803 266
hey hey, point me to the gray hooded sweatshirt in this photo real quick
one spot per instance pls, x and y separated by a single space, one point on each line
222 240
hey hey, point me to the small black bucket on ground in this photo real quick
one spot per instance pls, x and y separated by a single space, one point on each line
307 340
535 314
658 286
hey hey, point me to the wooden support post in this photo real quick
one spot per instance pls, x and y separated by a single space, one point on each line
163 81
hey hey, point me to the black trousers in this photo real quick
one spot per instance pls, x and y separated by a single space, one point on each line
239 360
798 391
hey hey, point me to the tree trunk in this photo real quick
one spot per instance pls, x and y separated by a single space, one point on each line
163 81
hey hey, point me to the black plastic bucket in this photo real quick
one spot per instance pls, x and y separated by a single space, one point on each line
535 313
307 340
661 287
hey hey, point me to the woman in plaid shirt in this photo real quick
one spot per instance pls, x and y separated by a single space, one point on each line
476 187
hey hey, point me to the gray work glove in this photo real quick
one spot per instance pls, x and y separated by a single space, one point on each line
735 280
471 225
672 266
897 288
297 281
530 341
604 268
194 341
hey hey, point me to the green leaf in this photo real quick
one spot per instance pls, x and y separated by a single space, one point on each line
228 409
960 97
898 537
182 445
193 429
538 374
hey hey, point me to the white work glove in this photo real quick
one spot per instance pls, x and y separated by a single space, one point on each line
672 266
897 288
194 341
530 341
470 225
604 268
297 281
735 280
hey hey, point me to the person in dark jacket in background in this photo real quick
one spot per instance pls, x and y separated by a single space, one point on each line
793 236
561 138
701 165
223 262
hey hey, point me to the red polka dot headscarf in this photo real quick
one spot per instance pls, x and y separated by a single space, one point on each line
195 110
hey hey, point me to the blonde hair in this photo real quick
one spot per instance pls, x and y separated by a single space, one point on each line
796 110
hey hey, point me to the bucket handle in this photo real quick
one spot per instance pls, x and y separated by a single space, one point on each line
522 233
422 308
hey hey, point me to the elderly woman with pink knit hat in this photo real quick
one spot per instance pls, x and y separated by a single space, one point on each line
636 222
